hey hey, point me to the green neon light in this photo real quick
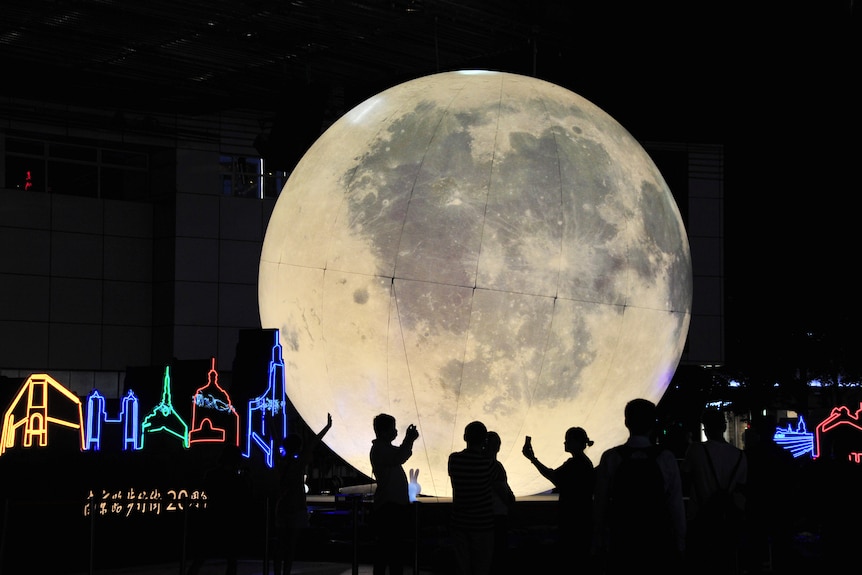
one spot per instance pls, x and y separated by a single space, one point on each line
164 418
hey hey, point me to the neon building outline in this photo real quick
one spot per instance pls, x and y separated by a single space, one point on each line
267 413
797 441
97 418
211 405
34 410
34 418
839 418
164 418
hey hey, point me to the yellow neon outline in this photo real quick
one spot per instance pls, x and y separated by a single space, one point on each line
37 419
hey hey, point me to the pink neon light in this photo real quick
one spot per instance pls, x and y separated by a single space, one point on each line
840 416
211 404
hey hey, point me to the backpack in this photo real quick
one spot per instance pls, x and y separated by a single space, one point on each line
638 514
726 506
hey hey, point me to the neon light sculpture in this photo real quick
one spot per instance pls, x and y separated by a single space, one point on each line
840 419
97 415
211 405
26 423
164 418
34 417
267 416
797 441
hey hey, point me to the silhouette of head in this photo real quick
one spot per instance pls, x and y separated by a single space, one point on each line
576 439
492 443
714 423
640 416
475 434
764 426
384 427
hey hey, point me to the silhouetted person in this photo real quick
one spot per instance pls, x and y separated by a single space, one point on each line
228 489
770 489
712 466
574 482
391 507
504 505
472 475
832 489
638 502
291 509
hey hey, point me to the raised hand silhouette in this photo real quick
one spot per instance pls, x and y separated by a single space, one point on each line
390 514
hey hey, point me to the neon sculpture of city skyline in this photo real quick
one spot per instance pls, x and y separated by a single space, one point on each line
214 418
164 418
34 417
267 413
97 418
839 419
32 412
797 441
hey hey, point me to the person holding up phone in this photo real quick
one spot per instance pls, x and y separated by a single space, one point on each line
573 481
391 506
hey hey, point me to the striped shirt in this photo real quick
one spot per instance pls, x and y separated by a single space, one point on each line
472 475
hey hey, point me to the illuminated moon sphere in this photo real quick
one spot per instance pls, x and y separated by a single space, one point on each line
475 246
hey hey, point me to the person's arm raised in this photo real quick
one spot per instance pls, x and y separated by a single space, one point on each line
309 449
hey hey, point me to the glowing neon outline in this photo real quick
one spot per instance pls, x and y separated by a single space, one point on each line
205 431
96 416
839 415
165 409
265 409
37 417
797 441
270 405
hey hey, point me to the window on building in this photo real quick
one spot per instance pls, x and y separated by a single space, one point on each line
76 169
79 169
273 182
25 173
247 177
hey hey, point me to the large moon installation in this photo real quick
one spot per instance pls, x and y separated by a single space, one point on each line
475 245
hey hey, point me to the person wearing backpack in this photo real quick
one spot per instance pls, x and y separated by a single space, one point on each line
717 472
638 502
